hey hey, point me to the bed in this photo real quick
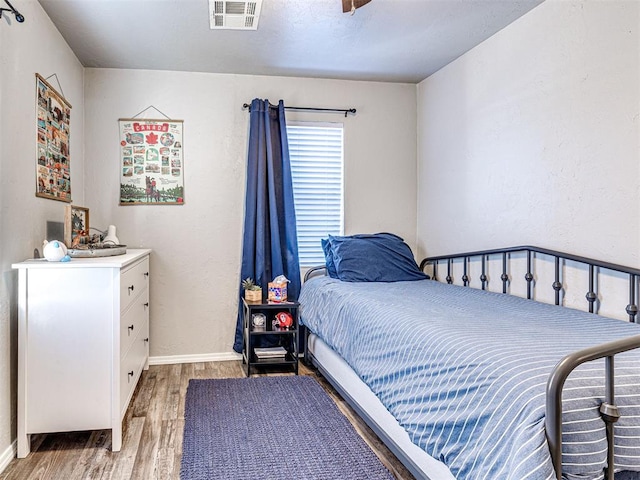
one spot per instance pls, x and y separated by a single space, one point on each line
462 383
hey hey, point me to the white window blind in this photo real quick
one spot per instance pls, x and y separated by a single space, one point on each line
316 153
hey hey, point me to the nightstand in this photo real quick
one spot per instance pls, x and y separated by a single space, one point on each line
268 347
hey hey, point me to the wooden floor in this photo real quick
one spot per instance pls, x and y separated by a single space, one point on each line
152 443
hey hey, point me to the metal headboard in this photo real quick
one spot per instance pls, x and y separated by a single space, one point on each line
312 272
553 418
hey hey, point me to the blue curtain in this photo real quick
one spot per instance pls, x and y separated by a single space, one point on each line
270 244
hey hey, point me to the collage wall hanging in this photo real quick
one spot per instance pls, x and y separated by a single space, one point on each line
53 177
151 162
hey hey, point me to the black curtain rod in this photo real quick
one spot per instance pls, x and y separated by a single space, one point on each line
312 109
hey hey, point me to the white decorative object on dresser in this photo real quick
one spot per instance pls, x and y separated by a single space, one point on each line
83 341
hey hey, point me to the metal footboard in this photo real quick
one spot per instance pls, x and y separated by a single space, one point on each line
553 419
608 409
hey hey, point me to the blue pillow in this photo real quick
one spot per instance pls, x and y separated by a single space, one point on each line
328 257
380 257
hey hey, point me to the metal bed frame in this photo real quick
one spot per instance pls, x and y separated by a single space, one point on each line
553 415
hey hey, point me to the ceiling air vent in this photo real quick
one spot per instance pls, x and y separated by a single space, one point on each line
234 14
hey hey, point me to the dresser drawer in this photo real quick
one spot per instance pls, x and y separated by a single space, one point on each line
131 366
133 280
133 320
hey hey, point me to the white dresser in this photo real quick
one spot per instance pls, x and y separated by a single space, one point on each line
83 341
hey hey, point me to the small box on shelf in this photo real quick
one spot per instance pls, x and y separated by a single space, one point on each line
277 292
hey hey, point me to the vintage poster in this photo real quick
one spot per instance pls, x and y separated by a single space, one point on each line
53 113
151 162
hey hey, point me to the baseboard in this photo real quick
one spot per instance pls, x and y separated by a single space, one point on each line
206 357
8 455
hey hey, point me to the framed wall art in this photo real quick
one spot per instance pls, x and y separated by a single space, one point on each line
53 113
76 226
151 162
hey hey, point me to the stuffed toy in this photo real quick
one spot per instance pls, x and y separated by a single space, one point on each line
55 251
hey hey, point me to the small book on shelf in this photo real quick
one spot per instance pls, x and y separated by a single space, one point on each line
270 352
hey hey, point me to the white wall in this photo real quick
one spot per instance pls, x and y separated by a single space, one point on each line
197 247
34 46
533 137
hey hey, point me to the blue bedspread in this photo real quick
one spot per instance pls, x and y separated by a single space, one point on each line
465 372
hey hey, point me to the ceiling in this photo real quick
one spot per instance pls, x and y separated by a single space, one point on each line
385 40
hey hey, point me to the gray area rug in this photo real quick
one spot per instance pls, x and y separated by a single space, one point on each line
271 428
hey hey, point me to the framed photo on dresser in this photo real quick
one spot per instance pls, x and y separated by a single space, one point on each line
76 226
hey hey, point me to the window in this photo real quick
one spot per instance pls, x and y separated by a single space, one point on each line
316 152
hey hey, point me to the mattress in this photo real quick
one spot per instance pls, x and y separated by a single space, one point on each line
464 373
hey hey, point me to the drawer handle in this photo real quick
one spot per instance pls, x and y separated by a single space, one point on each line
130 374
146 305
146 274
130 327
146 340
130 289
